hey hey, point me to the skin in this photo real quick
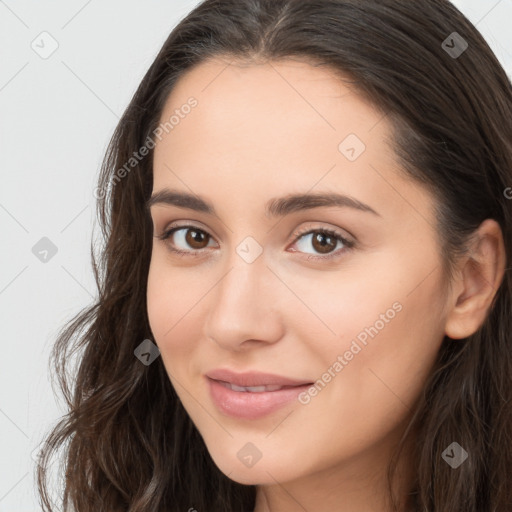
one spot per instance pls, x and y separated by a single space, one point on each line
268 130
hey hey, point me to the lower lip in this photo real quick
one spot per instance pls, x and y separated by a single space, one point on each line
248 405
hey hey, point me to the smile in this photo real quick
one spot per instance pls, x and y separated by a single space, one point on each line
253 389
252 402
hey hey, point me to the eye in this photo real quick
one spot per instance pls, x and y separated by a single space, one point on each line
182 236
322 240
190 240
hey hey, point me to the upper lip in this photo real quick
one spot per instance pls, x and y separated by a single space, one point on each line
253 378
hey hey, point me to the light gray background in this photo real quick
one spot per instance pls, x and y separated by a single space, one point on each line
56 117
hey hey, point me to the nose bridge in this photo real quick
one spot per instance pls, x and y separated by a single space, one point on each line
240 290
243 303
246 274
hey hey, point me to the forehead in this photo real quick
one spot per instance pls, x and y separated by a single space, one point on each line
259 130
250 104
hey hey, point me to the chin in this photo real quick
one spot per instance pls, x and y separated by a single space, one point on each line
253 476
263 472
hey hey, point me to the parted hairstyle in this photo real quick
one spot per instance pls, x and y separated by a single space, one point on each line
127 443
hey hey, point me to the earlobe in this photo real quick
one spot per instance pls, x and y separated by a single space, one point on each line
480 275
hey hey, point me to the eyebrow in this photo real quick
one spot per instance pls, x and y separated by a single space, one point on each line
275 207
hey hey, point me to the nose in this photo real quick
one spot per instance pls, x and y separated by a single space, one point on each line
245 309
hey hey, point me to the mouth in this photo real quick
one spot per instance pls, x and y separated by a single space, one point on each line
253 401
256 389
253 379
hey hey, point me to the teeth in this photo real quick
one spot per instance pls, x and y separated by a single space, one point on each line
253 389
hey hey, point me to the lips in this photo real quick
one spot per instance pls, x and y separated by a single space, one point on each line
253 379
251 395
252 389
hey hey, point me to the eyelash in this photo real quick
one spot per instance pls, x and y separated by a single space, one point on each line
348 244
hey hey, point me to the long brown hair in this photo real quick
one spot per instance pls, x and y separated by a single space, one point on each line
129 443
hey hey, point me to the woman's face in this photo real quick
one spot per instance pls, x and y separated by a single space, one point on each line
262 287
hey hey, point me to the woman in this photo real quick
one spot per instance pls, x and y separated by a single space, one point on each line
304 301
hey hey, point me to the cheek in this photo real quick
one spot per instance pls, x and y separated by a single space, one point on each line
366 396
178 301
379 339
172 298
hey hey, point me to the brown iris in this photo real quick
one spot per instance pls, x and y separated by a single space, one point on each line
194 237
323 242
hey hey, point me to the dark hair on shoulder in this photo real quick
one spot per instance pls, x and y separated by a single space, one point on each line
129 443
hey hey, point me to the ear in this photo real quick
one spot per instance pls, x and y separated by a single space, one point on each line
478 278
